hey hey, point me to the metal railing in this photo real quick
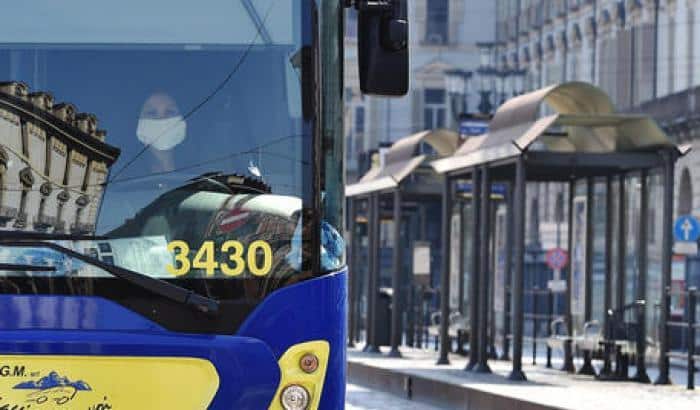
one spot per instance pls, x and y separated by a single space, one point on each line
538 316
690 325
623 337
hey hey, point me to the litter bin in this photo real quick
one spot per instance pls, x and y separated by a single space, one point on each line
383 324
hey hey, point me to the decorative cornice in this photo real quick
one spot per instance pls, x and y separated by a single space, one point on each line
78 130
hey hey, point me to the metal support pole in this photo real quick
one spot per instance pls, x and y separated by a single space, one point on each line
692 308
352 279
445 276
642 264
373 248
621 243
410 289
482 365
473 272
621 367
666 243
420 302
420 290
568 347
492 353
587 367
410 315
423 225
535 322
508 254
462 228
397 302
368 279
550 317
370 267
517 291
460 279
606 371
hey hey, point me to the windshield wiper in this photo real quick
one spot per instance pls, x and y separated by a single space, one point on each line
157 286
27 235
14 267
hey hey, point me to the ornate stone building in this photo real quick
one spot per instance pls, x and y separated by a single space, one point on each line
644 53
53 163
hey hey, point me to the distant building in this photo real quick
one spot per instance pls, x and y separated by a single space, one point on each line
443 36
644 53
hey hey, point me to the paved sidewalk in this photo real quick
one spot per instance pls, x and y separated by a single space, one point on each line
547 387
362 398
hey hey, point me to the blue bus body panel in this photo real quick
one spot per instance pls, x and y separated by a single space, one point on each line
311 310
248 372
246 363
69 313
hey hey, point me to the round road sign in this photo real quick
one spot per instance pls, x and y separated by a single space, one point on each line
557 258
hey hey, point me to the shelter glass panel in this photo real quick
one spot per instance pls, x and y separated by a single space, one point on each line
578 258
598 279
467 256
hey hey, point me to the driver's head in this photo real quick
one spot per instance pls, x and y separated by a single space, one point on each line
161 125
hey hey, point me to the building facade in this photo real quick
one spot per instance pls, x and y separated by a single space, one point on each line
646 55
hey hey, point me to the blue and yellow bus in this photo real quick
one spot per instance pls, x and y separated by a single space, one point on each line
170 200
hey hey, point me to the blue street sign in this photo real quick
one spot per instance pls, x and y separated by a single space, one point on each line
468 128
686 228
466 188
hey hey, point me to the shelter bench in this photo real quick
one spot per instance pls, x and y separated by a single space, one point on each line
621 341
458 329
588 341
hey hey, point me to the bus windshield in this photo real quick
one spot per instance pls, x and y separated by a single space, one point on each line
175 133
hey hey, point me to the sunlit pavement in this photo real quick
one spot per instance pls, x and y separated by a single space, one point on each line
361 398
545 387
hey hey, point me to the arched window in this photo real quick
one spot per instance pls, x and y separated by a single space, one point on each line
685 193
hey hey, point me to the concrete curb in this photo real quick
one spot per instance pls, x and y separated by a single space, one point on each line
435 392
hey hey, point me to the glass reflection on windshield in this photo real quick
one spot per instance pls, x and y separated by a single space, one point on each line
184 138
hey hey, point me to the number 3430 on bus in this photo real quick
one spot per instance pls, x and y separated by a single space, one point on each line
256 258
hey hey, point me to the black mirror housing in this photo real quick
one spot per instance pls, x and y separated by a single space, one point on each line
382 42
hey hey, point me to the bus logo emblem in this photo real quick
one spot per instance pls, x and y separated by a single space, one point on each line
52 388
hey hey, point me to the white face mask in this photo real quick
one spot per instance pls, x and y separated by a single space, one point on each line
162 133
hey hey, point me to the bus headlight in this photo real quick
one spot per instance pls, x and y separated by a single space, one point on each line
302 373
295 397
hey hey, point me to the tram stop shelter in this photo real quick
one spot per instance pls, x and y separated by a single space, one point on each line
404 174
562 133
